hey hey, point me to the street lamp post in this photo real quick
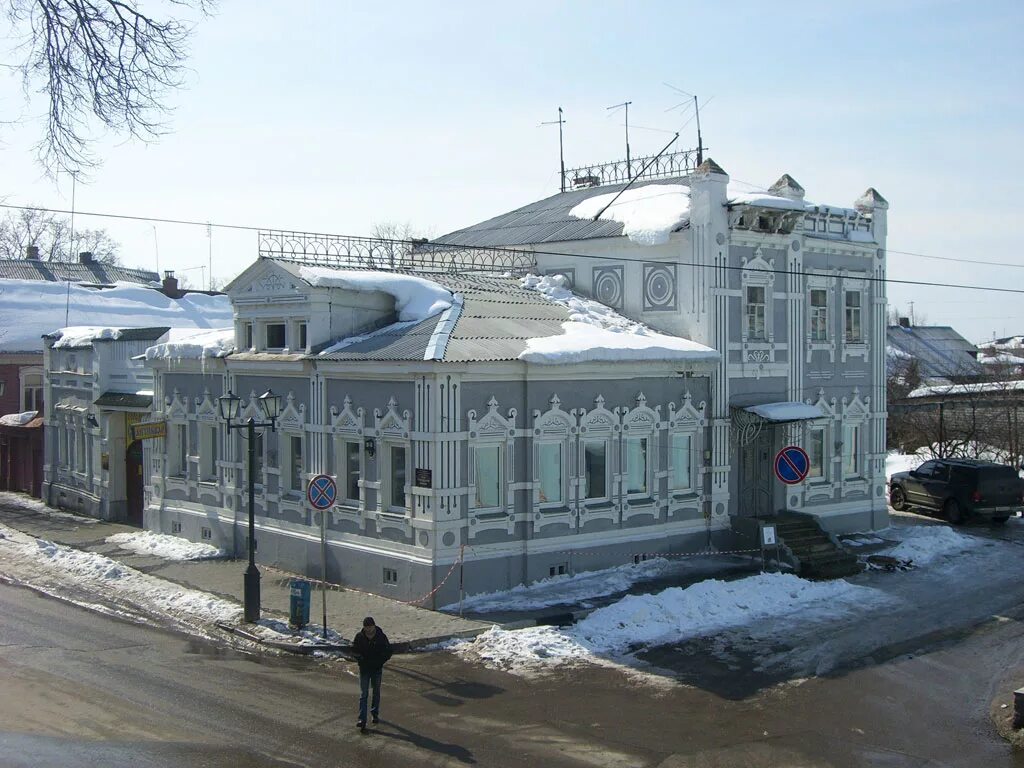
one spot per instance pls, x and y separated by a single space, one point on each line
229 407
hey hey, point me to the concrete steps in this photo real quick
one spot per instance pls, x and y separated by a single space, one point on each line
813 551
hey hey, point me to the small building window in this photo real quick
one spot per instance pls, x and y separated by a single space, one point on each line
636 465
175 526
595 469
549 460
681 462
851 450
390 576
854 334
206 534
80 453
247 328
350 471
302 336
295 465
398 477
275 336
180 447
488 476
816 453
819 314
209 451
755 312
32 392
558 570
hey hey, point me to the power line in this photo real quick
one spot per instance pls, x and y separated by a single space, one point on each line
727 267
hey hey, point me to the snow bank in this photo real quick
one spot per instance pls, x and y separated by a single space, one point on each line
161 545
189 345
903 462
31 308
925 544
415 297
22 502
648 214
598 333
671 616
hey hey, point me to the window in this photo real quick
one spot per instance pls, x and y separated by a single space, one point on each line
819 314
681 462
390 576
80 449
488 476
755 312
247 328
350 471
175 526
398 474
636 464
853 326
295 465
180 447
32 392
851 450
558 570
275 336
3 387
209 450
549 460
206 534
816 453
302 335
595 469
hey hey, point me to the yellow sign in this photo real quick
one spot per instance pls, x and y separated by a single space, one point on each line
147 430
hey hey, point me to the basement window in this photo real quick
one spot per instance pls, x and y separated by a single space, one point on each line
390 576
558 570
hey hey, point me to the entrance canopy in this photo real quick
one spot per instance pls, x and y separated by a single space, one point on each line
784 412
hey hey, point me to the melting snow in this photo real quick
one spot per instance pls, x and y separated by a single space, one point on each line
648 214
190 345
162 545
925 544
415 297
18 419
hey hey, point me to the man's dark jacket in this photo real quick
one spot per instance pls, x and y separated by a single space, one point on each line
371 654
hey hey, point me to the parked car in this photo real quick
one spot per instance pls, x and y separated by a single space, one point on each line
959 489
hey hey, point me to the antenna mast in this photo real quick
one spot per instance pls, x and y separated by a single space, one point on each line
629 166
561 152
700 141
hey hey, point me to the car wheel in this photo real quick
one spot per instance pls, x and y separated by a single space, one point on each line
1000 520
898 499
953 513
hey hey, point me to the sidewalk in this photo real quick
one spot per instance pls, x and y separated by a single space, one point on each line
407 626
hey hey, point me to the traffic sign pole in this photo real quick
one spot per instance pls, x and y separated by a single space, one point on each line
321 493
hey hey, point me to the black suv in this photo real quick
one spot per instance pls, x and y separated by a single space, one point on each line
958 489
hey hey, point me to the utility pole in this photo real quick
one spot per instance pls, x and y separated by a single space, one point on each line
629 167
561 152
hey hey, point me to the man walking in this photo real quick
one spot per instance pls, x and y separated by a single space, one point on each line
371 649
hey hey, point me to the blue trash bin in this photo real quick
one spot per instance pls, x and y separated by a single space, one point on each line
298 613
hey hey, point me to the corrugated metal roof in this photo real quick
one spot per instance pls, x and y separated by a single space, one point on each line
940 351
74 272
545 221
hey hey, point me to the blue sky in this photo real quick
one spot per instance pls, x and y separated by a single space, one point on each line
334 116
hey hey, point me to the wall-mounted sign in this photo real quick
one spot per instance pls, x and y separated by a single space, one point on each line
424 478
147 430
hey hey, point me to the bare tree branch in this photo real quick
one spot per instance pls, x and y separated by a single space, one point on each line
99 61
52 235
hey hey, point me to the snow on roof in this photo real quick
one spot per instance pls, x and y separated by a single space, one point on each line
596 332
1000 358
31 308
187 344
972 388
786 411
18 419
648 214
766 200
83 335
416 298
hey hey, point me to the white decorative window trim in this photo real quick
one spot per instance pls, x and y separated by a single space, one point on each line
758 272
687 420
347 421
856 413
858 349
597 424
640 422
493 431
392 428
818 283
553 427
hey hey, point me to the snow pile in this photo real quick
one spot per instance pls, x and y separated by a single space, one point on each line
18 419
415 297
31 308
84 335
924 544
670 616
161 545
766 200
971 388
786 411
190 345
999 358
22 502
648 214
58 568
597 333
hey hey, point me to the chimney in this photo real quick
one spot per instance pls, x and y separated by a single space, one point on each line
32 252
86 257
170 285
904 322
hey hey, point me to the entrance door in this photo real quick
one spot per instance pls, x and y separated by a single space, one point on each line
756 474
134 482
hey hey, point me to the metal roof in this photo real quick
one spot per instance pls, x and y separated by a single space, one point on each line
124 400
73 271
123 334
546 221
940 352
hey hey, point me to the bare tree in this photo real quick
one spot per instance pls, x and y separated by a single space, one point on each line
52 235
97 60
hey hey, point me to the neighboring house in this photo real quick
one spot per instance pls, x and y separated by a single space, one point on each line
21 453
97 387
930 355
1003 357
464 417
791 293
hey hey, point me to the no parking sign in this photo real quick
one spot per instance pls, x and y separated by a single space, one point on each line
792 464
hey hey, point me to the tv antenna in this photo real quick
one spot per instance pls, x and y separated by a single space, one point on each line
696 108
561 153
629 167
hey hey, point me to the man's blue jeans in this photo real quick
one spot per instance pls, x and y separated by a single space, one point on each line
366 678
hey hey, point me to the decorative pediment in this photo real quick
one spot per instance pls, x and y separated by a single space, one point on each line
553 421
206 407
176 406
687 416
267 281
391 423
641 418
828 406
347 420
856 407
493 424
598 420
291 417
758 269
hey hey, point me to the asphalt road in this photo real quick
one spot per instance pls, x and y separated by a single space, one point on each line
79 688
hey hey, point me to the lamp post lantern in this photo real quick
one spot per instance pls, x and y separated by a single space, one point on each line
229 408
